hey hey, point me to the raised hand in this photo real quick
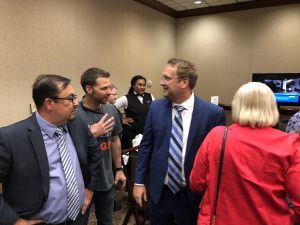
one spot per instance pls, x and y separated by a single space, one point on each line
103 126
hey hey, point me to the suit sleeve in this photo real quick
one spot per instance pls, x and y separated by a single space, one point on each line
145 150
221 118
94 160
7 215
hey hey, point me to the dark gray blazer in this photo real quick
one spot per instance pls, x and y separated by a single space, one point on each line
24 169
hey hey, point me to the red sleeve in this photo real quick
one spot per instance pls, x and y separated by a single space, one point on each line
293 180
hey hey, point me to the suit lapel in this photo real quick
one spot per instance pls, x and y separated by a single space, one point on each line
168 121
194 127
36 138
75 138
165 128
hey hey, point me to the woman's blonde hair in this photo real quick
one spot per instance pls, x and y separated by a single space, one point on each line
254 105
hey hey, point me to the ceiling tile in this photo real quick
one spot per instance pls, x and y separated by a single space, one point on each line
210 5
189 4
215 3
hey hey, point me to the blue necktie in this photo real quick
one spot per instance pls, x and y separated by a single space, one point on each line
72 189
175 152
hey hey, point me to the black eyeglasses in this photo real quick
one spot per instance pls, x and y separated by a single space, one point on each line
70 98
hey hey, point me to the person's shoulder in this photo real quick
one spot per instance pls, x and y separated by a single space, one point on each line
207 105
160 102
219 129
296 116
216 133
79 108
293 123
21 126
297 113
289 139
108 108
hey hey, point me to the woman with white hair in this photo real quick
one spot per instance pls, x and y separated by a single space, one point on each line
261 165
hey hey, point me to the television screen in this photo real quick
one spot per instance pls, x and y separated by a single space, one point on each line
286 86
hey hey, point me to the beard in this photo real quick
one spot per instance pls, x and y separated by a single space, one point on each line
99 99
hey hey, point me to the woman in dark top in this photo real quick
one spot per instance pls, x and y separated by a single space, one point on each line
136 105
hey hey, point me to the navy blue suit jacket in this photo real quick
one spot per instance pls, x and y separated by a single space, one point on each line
24 168
152 162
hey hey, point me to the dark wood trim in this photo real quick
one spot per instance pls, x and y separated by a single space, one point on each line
234 7
215 9
158 6
288 111
282 110
225 106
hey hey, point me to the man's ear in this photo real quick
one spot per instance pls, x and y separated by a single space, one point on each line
185 82
48 104
88 89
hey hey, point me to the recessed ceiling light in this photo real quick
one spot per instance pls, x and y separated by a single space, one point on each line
197 2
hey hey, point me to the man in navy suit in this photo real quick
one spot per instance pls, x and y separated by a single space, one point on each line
32 171
167 204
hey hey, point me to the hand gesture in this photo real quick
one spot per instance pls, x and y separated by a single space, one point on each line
103 126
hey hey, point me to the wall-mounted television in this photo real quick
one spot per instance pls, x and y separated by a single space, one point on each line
286 86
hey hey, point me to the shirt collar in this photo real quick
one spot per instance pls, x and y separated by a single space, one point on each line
98 110
141 95
47 127
187 104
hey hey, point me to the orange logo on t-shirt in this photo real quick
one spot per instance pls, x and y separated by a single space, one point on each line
105 145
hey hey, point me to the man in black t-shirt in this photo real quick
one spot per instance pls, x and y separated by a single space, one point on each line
103 120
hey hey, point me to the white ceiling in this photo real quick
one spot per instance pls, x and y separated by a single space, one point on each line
181 5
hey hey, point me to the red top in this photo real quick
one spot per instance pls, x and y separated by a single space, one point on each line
261 166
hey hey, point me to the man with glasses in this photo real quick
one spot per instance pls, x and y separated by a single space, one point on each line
103 120
50 162
174 130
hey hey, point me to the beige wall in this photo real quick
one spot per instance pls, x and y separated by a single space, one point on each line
126 38
68 36
227 48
